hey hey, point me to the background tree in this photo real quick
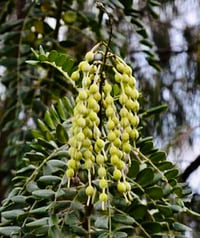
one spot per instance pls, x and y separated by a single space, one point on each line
72 29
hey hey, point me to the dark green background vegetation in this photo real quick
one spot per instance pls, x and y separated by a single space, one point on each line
159 41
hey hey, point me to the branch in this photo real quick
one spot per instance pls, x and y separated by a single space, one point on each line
190 169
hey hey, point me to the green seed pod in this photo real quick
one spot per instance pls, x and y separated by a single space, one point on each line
103 183
89 191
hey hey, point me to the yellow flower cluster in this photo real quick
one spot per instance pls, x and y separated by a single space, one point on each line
104 126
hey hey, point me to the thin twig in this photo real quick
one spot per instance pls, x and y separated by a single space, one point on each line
102 76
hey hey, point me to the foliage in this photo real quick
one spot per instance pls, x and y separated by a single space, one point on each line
68 27
61 192
72 27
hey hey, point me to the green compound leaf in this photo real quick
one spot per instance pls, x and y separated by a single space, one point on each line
9 230
43 193
57 163
101 222
61 110
172 173
165 210
52 55
120 234
145 177
39 222
139 211
124 219
61 134
181 227
165 165
134 169
157 156
12 214
155 192
155 110
49 179
39 211
79 230
18 199
152 227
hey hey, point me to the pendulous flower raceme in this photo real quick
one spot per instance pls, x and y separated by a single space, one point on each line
104 126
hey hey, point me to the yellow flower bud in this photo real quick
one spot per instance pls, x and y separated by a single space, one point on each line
75 75
89 191
121 187
103 197
69 173
103 183
89 56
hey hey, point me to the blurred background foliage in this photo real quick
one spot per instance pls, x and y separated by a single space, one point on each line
159 39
